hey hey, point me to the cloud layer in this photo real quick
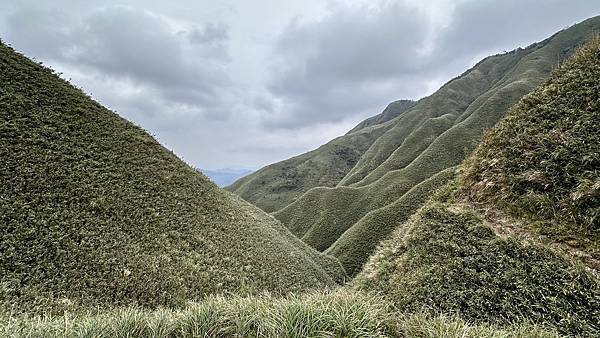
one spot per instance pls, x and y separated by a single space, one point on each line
236 84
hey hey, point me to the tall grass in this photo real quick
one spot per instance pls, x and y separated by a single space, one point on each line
313 315
334 314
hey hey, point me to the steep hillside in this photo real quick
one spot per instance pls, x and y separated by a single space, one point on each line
476 250
447 260
94 211
277 185
436 134
543 160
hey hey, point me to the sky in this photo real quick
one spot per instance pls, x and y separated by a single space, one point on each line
241 84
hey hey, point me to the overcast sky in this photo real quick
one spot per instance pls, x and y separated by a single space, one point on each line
240 83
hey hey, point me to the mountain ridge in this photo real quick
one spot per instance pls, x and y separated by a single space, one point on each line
521 212
435 134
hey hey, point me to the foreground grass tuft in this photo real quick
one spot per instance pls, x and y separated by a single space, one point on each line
337 314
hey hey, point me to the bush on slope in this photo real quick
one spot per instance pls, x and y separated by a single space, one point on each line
544 158
94 211
323 215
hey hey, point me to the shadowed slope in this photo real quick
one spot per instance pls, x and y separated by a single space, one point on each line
94 211
436 134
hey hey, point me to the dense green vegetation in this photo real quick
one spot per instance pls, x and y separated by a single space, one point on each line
543 160
451 262
452 258
339 314
360 241
95 212
438 133
279 184
105 233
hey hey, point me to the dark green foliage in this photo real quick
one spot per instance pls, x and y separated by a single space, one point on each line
93 211
450 261
544 157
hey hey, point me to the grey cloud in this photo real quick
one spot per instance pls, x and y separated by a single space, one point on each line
211 33
341 66
496 25
120 42
333 69
224 89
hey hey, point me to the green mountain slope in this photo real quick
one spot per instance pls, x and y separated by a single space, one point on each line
436 134
450 261
94 211
478 248
543 160
390 112
360 240
277 185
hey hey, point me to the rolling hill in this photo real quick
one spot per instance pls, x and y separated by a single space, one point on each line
95 212
434 135
277 185
515 237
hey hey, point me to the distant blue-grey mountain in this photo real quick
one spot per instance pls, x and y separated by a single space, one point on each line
226 176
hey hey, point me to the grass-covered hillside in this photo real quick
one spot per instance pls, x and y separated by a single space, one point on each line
475 249
543 160
438 133
447 259
279 184
95 212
